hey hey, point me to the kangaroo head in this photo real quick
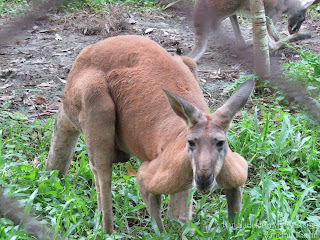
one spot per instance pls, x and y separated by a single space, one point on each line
206 141
297 14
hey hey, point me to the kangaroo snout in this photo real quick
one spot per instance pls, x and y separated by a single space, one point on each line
295 20
294 27
204 182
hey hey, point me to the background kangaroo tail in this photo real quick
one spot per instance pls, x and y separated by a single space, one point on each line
11 209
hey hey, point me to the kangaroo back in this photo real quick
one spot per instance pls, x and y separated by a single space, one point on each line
135 70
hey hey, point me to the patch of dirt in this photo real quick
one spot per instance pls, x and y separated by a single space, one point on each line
34 67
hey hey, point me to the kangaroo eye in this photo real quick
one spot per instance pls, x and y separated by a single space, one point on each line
191 143
220 143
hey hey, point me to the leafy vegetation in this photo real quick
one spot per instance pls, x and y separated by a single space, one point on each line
14 7
307 70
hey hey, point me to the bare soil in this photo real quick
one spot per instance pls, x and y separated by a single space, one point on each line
35 65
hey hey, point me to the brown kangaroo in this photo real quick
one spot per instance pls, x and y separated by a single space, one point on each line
208 14
114 96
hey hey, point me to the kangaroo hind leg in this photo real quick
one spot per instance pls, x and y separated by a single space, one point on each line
234 198
98 124
63 143
237 32
202 27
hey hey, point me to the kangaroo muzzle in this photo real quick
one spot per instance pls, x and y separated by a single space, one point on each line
294 28
204 182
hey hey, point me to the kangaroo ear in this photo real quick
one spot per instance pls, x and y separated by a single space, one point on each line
189 113
306 3
233 105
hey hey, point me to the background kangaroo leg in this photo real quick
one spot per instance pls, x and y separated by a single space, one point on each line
234 198
237 32
178 208
63 143
272 31
273 46
272 17
153 204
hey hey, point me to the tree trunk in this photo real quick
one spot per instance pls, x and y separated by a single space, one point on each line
260 40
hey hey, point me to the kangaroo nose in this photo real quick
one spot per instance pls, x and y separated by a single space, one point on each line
204 182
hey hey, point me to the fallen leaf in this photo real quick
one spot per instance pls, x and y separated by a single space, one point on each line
132 21
27 100
45 85
53 111
58 37
45 114
107 28
40 100
130 171
148 30
34 163
62 80
50 38
171 4
7 72
54 106
35 28
216 74
49 31
38 61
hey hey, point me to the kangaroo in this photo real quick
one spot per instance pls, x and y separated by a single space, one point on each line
114 96
210 13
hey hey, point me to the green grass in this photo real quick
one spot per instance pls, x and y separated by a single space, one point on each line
13 7
306 70
281 196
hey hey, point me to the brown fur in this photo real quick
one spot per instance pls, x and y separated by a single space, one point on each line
208 14
114 96
220 10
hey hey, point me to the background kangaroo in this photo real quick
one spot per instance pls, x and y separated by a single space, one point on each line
114 96
208 14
